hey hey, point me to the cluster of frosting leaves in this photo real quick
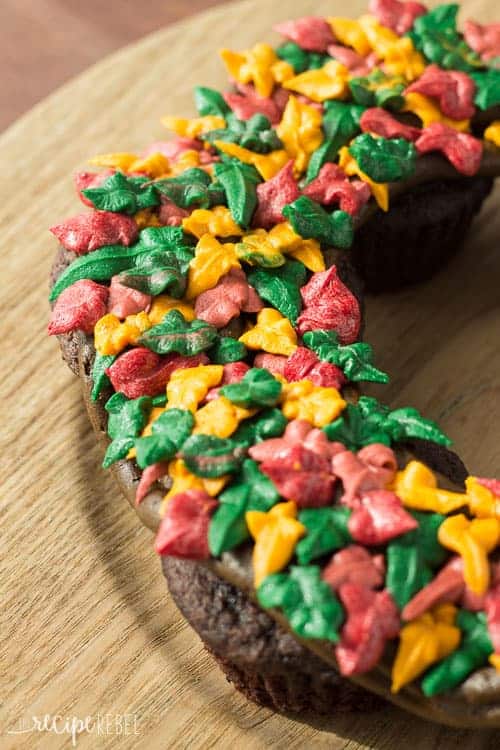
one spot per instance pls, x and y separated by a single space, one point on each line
224 342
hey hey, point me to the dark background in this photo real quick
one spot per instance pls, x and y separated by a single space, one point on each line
43 43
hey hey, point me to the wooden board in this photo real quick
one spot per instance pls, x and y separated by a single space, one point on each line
60 39
87 625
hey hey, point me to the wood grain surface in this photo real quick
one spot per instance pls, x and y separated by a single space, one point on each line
44 43
87 626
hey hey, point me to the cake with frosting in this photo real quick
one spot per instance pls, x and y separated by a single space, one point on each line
328 549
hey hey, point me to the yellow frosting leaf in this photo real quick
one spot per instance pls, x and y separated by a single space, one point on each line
188 387
216 221
212 260
428 112
273 333
315 404
424 641
492 133
300 132
473 541
276 533
266 164
328 82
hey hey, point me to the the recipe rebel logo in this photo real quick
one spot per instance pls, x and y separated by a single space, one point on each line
99 725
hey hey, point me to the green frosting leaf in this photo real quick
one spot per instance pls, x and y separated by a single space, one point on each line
99 378
159 400
269 423
371 422
126 419
281 287
355 359
435 35
165 238
473 652
378 90
168 433
326 531
308 603
258 387
210 456
225 350
99 265
239 182
310 220
262 494
175 334
384 159
159 271
340 124
210 102
487 88
301 59
251 490
257 254
255 134
192 189
117 450
123 194
110 260
412 557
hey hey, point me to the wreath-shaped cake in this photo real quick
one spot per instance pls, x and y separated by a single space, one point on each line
211 300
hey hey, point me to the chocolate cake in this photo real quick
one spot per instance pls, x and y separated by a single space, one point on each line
329 550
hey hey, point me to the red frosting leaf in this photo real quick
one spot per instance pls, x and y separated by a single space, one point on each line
310 32
373 467
148 477
123 300
78 307
333 186
233 372
356 64
372 619
141 372
169 214
329 305
380 122
447 586
354 564
231 295
461 149
303 364
246 103
298 432
396 15
275 363
273 195
183 531
453 89
483 39
492 609
86 232
379 516
301 475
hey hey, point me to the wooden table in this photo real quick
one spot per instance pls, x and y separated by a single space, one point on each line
44 43
88 627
